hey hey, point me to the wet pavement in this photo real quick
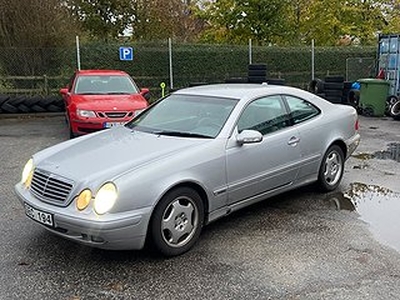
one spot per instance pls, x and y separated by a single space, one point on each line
300 245
374 171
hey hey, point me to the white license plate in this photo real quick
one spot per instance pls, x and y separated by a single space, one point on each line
38 215
113 124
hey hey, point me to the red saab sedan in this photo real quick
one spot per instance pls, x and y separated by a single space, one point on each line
99 99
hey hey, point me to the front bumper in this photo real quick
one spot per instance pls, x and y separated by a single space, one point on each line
81 127
121 231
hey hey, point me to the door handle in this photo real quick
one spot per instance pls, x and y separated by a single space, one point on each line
293 141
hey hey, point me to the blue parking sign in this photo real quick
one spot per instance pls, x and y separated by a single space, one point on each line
125 53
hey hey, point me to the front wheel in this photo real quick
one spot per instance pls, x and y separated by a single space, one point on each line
331 170
177 221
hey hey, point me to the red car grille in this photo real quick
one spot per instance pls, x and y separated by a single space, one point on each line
115 114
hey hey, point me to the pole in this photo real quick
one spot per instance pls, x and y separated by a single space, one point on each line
78 55
250 52
312 59
170 65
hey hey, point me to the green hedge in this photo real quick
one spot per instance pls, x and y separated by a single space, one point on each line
191 62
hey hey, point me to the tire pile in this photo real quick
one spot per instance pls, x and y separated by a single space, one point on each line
30 104
256 73
334 89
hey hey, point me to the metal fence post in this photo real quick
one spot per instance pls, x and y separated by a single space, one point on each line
250 52
46 85
78 55
171 79
312 59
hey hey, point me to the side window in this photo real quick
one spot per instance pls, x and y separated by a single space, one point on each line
300 109
71 82
264 115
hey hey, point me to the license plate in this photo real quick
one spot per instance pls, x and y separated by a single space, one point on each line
39 216
113 124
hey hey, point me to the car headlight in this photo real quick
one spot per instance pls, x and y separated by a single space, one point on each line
83 199
27 173
85 113
105 198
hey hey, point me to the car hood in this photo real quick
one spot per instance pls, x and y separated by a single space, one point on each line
109 102
107 154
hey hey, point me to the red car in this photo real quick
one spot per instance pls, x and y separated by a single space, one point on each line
99 99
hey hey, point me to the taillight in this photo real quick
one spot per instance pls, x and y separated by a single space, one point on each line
357 125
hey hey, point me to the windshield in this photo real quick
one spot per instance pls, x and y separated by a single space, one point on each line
186 116
105 84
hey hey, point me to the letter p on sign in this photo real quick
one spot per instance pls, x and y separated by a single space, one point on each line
125 53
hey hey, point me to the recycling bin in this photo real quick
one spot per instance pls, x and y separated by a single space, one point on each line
373 94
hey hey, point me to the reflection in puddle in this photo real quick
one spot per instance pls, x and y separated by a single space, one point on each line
377 206
392 152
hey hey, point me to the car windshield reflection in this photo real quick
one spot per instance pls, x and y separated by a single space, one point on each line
185 116
105 84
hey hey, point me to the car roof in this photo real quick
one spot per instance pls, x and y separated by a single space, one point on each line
100 72
228 90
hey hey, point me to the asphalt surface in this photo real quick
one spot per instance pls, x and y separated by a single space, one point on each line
302 245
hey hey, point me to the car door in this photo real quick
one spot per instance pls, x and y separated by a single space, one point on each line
256 169
307 119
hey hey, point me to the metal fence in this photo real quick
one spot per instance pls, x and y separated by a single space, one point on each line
32 71
360 67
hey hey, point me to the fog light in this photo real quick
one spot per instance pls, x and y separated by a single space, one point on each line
83 199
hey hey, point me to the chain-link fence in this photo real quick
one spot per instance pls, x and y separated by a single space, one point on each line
360 67
44 71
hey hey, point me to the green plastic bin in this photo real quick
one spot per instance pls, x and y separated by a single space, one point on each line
373 94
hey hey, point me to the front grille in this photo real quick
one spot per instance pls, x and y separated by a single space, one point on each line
116 115
50 188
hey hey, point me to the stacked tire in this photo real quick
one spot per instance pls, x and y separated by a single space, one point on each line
333 88
30 104
257 73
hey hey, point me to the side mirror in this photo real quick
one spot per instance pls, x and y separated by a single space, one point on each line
145 93
64 91
249 137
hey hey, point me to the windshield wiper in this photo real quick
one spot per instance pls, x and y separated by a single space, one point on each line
182 134
118 93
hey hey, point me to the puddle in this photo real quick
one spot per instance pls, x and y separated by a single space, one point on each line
377 206
392 152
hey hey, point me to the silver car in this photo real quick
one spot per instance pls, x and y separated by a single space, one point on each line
189 159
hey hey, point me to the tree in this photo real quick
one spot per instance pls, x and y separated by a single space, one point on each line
103 19
36 27
327 20
237 21
161 19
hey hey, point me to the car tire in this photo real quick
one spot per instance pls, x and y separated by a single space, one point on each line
316 86
331 169
236 80
257 73
333 86
257 79
177 221
257 67
334 78
395 111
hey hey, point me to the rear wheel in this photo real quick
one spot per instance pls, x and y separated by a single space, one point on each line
331 170
177 221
